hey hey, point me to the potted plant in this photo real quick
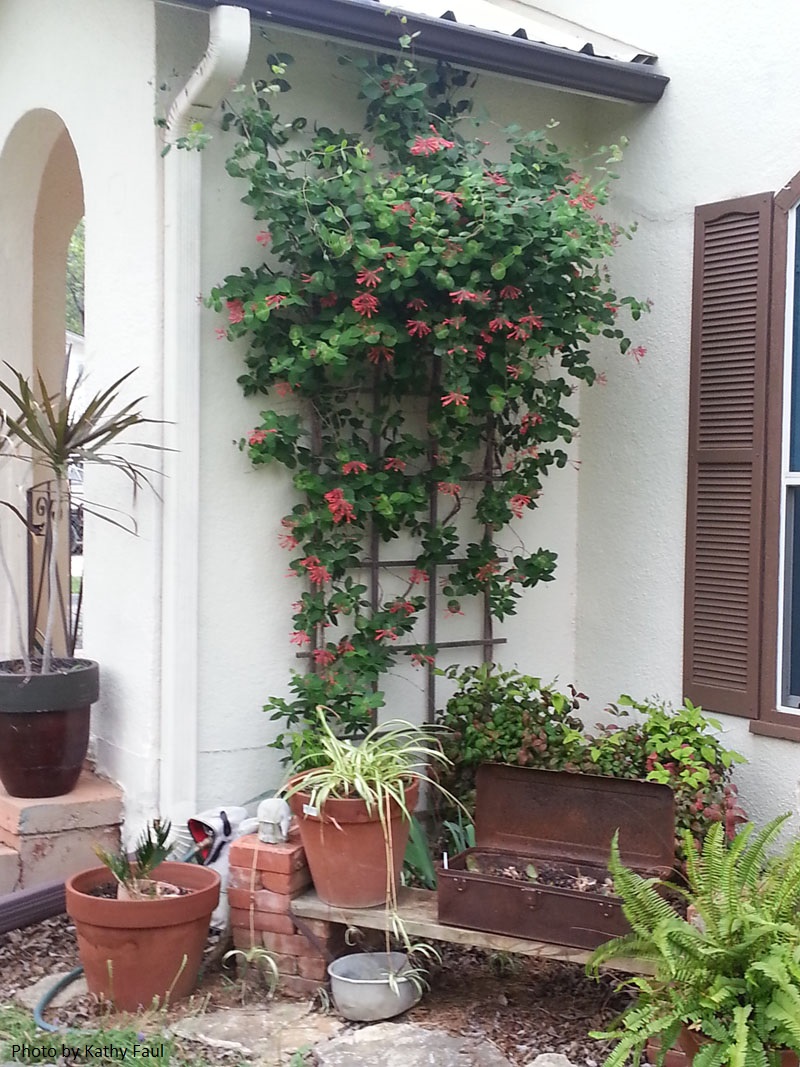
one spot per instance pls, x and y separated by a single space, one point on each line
45 699
142 925
726 979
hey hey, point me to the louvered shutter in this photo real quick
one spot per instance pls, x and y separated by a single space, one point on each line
724 550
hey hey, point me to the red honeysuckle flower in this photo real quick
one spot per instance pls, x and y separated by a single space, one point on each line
510 292
458 350
368 277
338 506
484 573
534 321
346 646
263 237
274 300
456 322
529 420
601 378
513 371
221 333
235 310
257 436
417 577
518 503
499 323
282 388
450 613
405 206
516 333
449 488
638 354
287 540
418 327
419 659
402 605
300 637
494 177
575 178
417 304
585 200
458 296
329 301
448 198
426 146
365 304
483 297
394 464
459 399
354 466
613 308
378 353
480 353
323 657
389 634
317 572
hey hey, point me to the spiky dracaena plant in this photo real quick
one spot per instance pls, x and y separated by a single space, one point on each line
731 974
50 431
151 849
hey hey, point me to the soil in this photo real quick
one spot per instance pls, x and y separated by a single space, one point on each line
589 880
525 1006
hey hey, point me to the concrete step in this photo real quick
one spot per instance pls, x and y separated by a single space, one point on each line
50 838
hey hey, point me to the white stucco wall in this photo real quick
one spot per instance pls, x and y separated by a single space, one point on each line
245 594
88 65
725 127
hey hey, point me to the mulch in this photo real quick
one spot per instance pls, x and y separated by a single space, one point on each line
525 1006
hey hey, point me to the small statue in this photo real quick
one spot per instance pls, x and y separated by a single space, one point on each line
274 816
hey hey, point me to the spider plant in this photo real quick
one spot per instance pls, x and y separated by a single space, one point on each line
52 431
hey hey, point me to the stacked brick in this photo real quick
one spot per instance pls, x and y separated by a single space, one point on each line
263 880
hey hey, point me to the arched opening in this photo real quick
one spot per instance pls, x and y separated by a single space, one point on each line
41 204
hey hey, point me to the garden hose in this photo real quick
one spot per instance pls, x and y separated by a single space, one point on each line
62 983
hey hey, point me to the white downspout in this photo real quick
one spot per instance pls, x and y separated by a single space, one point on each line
219 70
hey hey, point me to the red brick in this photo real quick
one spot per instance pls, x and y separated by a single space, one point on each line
245 919
292 884
294 945
242 938
320 928
294 986
312 967
283 858
245 878
285 964
262 900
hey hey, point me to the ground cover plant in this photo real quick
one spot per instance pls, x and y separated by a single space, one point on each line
504 716
429 312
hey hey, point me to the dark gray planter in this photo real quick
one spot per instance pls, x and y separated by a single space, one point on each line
44 726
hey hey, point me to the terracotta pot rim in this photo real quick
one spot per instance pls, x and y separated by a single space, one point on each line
350 809
203 884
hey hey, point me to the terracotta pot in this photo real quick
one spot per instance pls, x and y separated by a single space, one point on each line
691 1042
345 848
134 951
44 727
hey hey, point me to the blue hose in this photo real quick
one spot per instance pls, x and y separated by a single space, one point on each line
62 983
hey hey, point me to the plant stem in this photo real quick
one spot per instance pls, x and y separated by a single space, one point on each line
52 578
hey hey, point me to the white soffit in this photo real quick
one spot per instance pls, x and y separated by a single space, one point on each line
517 18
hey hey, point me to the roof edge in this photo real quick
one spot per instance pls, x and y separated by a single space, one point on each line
463 45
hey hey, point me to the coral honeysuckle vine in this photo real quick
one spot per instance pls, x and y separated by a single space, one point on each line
430 312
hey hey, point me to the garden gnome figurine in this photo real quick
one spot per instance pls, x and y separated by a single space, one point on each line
274 816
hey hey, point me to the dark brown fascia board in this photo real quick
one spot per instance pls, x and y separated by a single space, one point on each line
374 25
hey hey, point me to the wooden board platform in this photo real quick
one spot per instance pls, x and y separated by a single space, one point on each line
418 911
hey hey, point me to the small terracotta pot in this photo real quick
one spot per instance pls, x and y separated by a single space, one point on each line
346 851
691 1042
134 951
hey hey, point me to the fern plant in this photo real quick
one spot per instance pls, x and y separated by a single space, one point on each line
730 972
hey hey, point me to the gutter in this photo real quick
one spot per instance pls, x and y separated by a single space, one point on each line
371 24
220 68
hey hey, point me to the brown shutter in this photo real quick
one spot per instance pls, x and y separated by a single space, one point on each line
724 550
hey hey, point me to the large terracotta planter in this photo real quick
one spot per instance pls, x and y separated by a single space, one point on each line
346 851
134 951
691 1042
44 727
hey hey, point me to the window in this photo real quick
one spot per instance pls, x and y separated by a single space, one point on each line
742 608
